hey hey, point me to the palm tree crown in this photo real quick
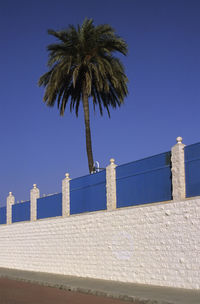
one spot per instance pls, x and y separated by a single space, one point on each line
82 67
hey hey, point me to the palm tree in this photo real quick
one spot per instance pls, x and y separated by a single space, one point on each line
82 68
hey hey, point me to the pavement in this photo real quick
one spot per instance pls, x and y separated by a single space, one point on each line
138 293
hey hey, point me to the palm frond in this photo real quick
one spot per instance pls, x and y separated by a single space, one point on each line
83 59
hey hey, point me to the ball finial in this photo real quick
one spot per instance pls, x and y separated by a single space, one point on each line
34 186
112 160
67 175
179 139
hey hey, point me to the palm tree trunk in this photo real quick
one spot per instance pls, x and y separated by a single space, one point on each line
87 132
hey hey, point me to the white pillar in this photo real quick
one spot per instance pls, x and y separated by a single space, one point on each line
178 170
34 195
66 196
10 202
111 185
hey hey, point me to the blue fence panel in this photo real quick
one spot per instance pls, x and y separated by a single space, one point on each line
49 206
144 181
21 212
88 193
3 219
192 170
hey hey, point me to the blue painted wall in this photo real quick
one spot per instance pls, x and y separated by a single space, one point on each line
88 193
21 212
49 206
144 181
3 219
192 170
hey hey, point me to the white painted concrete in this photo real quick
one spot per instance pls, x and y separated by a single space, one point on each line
111 196
178 170
66 196
34 195
156 244
10 201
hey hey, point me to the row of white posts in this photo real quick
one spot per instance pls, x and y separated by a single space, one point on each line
178 185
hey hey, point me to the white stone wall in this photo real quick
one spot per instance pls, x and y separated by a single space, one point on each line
156 244
66 195
111 195
34 195
178 170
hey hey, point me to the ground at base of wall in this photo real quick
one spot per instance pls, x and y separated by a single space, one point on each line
31 293
124 291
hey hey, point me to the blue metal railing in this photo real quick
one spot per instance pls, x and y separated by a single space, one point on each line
144 181
88 193
21 212
49 206
3 219
192 170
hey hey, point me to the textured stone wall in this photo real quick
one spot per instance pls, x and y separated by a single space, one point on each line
34 195
66 195
178 170
156 244
111 185
9 203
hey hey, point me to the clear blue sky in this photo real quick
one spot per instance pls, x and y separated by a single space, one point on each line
163 67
